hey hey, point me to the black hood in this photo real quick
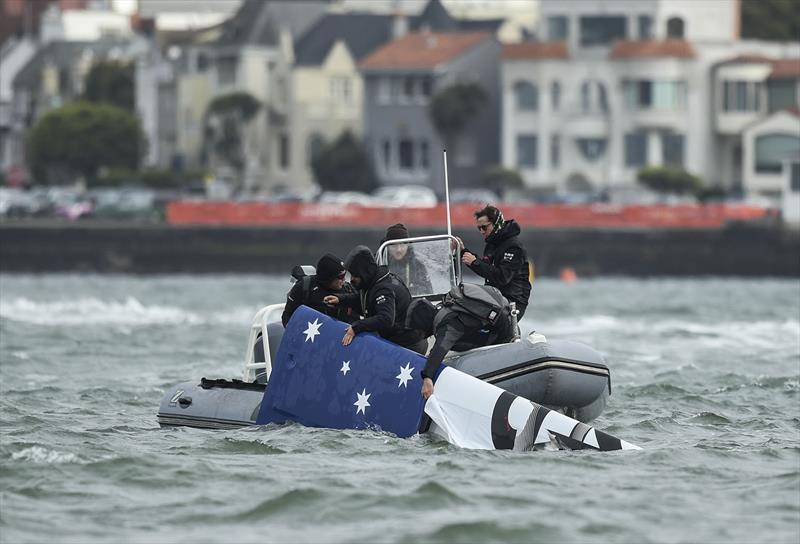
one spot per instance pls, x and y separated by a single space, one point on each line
420 316
509 229
360 262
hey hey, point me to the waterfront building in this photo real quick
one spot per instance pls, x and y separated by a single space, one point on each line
400 80
615 85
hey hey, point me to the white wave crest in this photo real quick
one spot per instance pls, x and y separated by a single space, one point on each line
90 311
763 332
40 455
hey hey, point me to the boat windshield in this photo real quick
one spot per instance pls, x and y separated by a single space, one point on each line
426 264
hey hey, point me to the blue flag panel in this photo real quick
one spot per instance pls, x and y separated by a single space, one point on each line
319 382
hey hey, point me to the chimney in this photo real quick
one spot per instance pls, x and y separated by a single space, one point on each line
399 24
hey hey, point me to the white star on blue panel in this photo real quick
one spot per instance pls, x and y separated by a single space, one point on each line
362 402
405 375
345 368
312 330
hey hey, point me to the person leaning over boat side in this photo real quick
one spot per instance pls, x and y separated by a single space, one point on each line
504 263
382 298
312 290
405 264
456 328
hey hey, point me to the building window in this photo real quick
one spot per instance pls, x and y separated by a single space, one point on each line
636 149
426 87
383 93
316 143
794 178
555 95
558 28
526 151
555 151
782 94
408 89
672 146
675 27
424 158
386 155
656 95
593 97
526 96
405 154
395 89
591 148
283 151
645 27
341 89
226 71
772 149
741 95
603 29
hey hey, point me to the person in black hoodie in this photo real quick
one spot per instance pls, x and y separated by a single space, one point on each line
504 263
312 290
382 298
405 264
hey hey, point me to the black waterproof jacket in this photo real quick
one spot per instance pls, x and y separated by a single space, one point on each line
383 300
311 294
459 332
505 265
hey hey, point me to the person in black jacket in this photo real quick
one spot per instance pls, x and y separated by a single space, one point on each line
405 264
457 330
312 290
382 299
504 263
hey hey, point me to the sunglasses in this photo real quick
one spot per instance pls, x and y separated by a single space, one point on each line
483 227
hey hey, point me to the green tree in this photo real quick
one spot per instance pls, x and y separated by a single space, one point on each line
79 139
452 108
343 165
771 19
500 179
669 180
111 82
225 118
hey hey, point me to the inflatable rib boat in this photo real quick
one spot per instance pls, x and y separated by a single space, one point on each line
561 375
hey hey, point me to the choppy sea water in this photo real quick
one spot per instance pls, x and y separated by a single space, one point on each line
705 376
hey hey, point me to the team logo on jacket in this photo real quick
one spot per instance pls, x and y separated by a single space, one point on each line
381 299
508 255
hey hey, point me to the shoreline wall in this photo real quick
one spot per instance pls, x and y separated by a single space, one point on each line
154 249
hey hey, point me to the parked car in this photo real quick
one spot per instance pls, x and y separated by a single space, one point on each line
415 196
124 203
70 204
473 196
346 198
22 203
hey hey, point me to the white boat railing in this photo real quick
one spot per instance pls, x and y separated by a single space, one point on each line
262 318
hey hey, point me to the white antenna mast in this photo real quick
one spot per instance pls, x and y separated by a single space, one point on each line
447 193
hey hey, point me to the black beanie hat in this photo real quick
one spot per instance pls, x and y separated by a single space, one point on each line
396 232
329 267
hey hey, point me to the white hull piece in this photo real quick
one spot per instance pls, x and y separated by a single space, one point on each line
470 413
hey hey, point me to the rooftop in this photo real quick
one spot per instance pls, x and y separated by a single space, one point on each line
536 50
424 49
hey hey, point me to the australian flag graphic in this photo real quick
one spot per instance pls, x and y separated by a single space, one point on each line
318 382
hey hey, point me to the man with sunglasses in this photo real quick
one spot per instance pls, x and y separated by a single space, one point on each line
504 264
312 290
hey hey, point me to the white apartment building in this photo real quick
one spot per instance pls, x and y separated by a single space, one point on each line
616 85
